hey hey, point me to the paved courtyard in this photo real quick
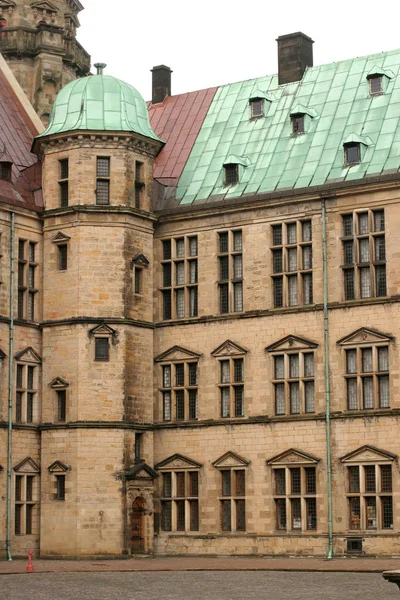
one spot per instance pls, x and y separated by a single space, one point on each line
205 585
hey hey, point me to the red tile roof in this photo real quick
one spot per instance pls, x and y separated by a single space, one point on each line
177 121
16 135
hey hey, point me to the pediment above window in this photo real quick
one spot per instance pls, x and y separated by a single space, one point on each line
177 461
364 335
140 260
368 454
47 6
177 353
2 354
141 471
59 383
377 71
354 138
291 342
293 456
28 355
28 465
230 459
300 109
228 348
258 94
58 468
103 330
60 237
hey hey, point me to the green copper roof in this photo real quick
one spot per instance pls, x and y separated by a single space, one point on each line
99 103
338 108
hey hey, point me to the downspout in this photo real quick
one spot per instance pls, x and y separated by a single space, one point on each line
10 386
329 555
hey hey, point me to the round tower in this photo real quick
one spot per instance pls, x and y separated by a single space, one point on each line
97 154
38 40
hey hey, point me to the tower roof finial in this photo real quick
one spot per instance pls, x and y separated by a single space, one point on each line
100 68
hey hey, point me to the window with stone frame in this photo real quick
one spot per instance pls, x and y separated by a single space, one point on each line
26 498
369 489
231 379
233 471
230 269
60 390
292 264
139 184
294 480
293 375
27 280
103 337
27 372
139 264
61 241
364 254
103 173
179 285
58 471
366 370
179 494
63 181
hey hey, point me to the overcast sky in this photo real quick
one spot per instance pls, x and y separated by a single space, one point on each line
213 42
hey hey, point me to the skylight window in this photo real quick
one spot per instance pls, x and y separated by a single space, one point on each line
257 108
297 124
375 85
352 154
231 174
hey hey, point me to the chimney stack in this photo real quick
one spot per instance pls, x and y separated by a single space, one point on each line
295 53
161 85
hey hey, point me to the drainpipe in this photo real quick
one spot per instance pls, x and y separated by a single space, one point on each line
329 555
10 386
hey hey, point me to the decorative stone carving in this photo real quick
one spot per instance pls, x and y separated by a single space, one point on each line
293 456
177 353
230 459
28 465
228 348
364 335
177 461
28 355
291 342
368 454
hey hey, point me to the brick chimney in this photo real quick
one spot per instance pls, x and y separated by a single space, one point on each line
161 85
295 53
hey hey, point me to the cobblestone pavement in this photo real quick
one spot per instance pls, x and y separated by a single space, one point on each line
215 585
202 563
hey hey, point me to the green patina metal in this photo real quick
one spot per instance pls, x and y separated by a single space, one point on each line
99 103
338 100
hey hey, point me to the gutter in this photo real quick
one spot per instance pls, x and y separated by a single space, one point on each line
329 555
10 386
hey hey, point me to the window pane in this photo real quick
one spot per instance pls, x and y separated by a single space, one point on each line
193 302
294 370
279 367
167 376
223 267
193 271
180 304
384 397
277 235
167 313
277 261
180 273
231 174
278 292
296 513
363 223
294 398
347 225
180 485
307 257
355 513
193 246
240 515
309 364
225 371
366 354
167 279
238 369
226 483
101 349
280 482
365 282
370 480
240 488
224 298
179 375
375 85
32 249
386 478
226 515
192 404
29 519
62 404
29 488
295 477
370 505
293 290
62 257
237 267
280 514
309 396
103 166
354 479
387 513
166 516
311 507
20 372
103 192
311 480
238 297
237 241
18 487
349 292
348 252
192 373
379 220
239 401
167 485
180 405
292 259
167 406
180 248
352 401
64 168
306 231
18 407
166 249
225 402
193 484
280 399
351 361
223 242
180 515
29 407
364 250
291 233
380 251
368 392
18 519
31 371
257 107
380 277
194 515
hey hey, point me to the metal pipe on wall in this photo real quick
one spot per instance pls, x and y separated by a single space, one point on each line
10 385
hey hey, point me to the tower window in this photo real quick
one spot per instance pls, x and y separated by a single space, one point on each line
139 185
375 85
60 487
102 349
63 181
352 154
297 124
62 257
103 181
231 174
257 108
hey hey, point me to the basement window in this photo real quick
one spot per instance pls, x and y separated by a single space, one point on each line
297 124
352 154
231 174
257 108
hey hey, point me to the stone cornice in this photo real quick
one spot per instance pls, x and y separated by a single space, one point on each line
97 321
94 208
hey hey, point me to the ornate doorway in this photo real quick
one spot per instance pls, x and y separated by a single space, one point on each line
137 525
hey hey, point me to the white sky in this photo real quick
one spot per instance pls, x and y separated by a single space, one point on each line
212 42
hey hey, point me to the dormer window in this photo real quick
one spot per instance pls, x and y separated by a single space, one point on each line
375 85
5 171
231 174
257 108
297 124
352 154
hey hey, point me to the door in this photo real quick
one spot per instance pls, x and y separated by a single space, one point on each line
137 525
